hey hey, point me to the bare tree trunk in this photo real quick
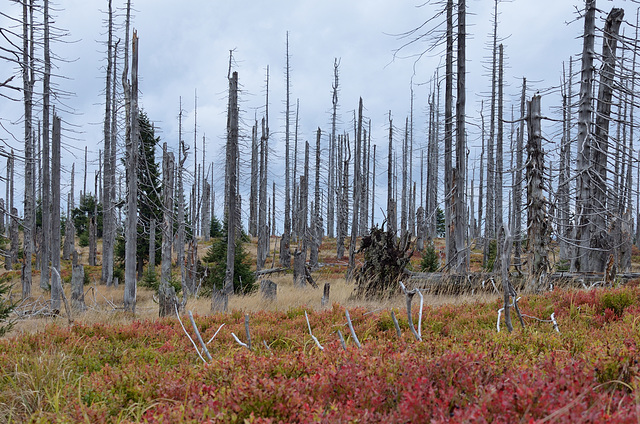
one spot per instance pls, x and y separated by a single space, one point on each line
180 235
405 173
499 212
460 224
232 158
56 295
356 196
206 213
262 213
29 202
373 186
538 220
12 257
334 168
255 171
583 202
130 284
448 139
168 173
600 241
481 185
46 183
343 201
77 285
285 256
518 183
392 224
316 227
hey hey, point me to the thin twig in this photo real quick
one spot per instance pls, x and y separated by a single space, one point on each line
214 336
311 334
395 322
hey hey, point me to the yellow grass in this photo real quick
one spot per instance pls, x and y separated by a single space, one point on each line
105 303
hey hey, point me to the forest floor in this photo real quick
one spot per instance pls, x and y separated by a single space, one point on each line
575 361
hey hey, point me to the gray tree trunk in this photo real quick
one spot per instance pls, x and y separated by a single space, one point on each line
517 233
56 285
77 285
232 158
131 234
168 175
460 223
600 240
29 195
343 201
392 224
357 186
255 171
334 168
405 174
448 139
316 227
46 182
583 201
499 212
538 220
206 213
285 257
180 234
263 235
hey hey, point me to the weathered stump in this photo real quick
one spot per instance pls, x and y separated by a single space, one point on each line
268 290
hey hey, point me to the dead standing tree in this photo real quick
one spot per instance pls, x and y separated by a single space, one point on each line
166 292
231 178
130 284
538 220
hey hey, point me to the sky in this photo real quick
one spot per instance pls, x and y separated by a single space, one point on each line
184 51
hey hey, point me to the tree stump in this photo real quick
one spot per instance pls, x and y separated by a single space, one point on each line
219 301
268 290
325 295
77 285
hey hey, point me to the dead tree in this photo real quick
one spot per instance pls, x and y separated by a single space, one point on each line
27 67
255 171
517 189
46 182
583 202
460 224
448 138
206 213
166 297
131 233
392 223
356 195
77 285
600 239
285 255
232 158
56 285
343 190
334 168
263 235
180 220
499 144
538 220
316 227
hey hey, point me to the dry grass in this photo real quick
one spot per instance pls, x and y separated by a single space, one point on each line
105 303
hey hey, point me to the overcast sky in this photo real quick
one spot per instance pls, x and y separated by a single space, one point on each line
184 47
